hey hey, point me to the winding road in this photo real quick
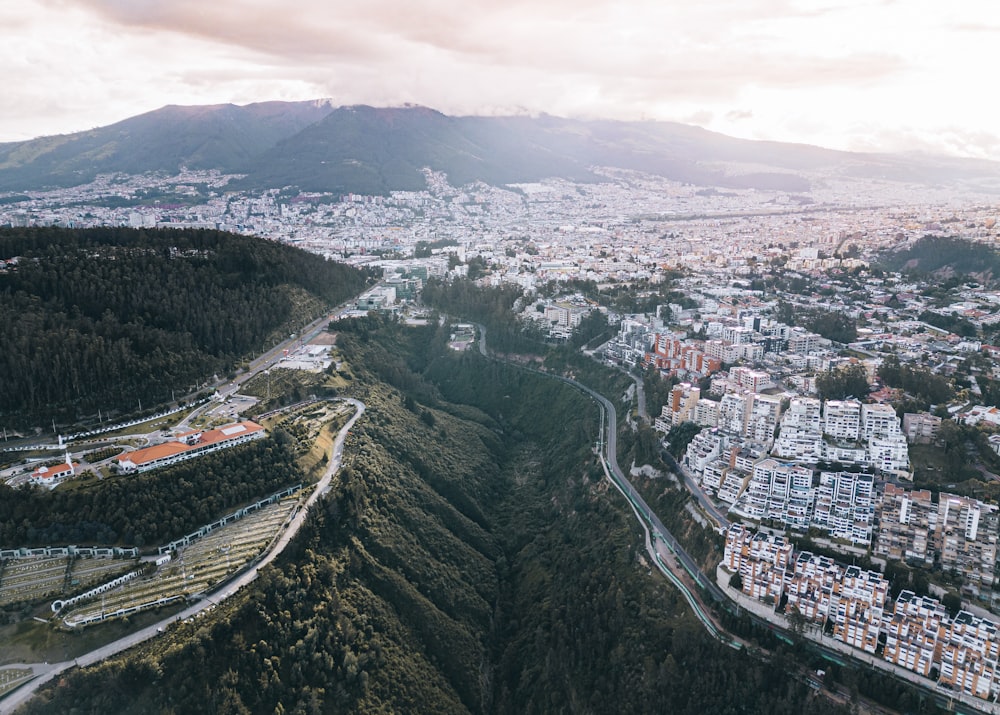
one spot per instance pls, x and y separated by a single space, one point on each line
657 535
663 548
44 672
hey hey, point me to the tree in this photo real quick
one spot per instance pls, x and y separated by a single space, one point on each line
848 381
796 621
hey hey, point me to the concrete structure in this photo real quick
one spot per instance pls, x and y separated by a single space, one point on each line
845 506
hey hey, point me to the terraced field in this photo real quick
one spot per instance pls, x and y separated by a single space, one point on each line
29 580
32 579
10 678
193 570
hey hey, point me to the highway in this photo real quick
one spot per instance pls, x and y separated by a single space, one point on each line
659 533
46 671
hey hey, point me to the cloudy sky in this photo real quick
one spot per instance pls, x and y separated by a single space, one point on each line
846 74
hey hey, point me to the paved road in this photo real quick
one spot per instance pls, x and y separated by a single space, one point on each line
706 503
663 548
46 671
647 516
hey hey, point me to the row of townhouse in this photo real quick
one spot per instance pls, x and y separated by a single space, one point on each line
747 414
809 430
748 338
675 355
957 533
853 605
842 430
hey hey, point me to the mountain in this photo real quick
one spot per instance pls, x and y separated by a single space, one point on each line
222 136
368 150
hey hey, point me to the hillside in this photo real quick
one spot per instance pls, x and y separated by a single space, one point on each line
946 257
469 559
223 137
369 150
102 318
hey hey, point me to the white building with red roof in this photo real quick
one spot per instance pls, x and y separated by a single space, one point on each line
49 476
190 445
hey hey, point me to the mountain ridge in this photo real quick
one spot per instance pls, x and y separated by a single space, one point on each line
317 146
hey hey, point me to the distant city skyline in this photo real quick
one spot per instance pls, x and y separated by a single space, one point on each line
863 75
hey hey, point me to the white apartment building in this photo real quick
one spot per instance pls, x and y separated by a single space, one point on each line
889 453
762 419
845 506
752 380
842 419
878 420
805 414
704 448
706 413
779 491
733 413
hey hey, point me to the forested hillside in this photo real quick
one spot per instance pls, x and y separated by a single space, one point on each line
946 256
102 318
148 509
469 559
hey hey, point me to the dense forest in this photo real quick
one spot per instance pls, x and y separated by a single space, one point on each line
469 559
104 318
148 509
489 306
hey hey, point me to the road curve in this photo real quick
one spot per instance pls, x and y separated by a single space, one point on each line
660 533
47 671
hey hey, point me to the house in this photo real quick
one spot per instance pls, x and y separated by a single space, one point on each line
48 476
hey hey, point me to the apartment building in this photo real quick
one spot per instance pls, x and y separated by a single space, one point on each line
704 448
969 649
907 523
778 490
859 599
842 419
763 418
809 588
802 341
751 380
878 420
733 413
845 506
966 539
921 427
760 559
911 631
706 413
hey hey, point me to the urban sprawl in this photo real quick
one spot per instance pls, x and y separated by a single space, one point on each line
779 461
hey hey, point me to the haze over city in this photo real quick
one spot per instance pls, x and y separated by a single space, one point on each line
888 76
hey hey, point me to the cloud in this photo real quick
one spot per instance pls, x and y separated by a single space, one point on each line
791 66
